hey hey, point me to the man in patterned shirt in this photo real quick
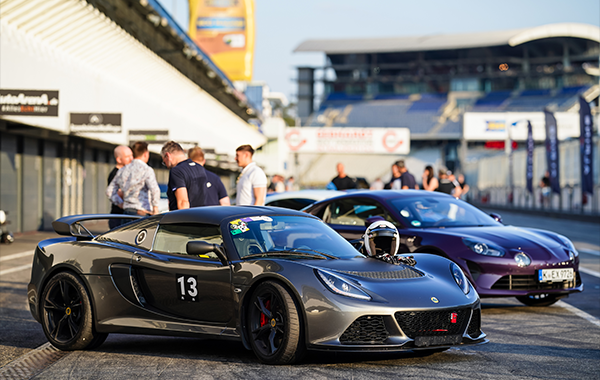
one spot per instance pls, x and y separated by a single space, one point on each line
138 183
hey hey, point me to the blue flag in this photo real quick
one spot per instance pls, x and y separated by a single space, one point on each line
530 147
587 147
552 151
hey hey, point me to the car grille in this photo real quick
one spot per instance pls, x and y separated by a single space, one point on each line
368 329
530 282
401 274
474 329
433 323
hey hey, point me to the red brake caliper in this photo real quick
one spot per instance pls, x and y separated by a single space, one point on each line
263 317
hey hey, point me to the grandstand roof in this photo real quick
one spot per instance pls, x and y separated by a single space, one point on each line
512 37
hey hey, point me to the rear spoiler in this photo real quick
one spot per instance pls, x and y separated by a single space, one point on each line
71 225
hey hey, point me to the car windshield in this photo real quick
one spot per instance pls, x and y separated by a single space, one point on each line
288 236
424 212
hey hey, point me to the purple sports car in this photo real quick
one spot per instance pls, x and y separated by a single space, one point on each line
537 267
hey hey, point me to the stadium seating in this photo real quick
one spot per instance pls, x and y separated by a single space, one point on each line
529 100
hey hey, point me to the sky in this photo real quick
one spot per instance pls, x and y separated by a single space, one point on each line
281 25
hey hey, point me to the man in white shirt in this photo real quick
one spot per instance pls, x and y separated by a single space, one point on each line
252 183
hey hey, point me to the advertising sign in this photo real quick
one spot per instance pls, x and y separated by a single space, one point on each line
29 102
348 140
587 147
552 151
499 126
149 136
224 29
95 122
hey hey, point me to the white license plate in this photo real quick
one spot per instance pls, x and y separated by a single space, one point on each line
555 275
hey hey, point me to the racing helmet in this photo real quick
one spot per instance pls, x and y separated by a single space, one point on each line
381 237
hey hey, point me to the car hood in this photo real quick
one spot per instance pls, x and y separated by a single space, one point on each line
508 237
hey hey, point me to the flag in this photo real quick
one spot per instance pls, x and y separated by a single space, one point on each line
552 151
587 147
530 147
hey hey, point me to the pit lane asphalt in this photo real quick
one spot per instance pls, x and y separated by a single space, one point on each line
525 342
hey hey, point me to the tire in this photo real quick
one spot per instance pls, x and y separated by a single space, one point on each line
538 299
67 314
273 323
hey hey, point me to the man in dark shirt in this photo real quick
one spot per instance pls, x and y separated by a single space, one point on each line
408 180
216 194
342 181
123 156
187 179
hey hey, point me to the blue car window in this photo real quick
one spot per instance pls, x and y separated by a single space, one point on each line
434 212
355 212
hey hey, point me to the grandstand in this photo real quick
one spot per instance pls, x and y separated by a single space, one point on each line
426 83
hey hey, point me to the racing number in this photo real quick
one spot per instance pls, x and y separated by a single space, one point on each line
187 287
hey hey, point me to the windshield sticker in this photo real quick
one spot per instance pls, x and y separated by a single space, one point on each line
238 226
416 223
256 219
405 213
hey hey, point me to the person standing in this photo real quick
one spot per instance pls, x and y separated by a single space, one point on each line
138 184
187 179
406 179
342 181
430 183
123 156
252 182
464 186
446 185
395 183
216 194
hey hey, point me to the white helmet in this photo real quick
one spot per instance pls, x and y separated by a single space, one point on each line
381 237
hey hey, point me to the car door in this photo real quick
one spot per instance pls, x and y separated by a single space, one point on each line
348 215
177 284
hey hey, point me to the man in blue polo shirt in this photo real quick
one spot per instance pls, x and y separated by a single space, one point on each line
187 179
216 194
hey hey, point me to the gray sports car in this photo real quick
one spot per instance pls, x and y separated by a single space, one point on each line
278 280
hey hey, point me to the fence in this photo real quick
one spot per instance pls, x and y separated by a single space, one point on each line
490 184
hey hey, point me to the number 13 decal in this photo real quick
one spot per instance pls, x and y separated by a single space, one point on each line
187 287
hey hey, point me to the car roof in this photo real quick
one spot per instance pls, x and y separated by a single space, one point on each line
394 194
217 214
315 195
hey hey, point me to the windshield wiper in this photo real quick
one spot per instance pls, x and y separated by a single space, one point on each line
286 253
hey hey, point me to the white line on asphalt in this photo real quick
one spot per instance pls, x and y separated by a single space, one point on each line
15 269
579 313
589 271
16 256
590 252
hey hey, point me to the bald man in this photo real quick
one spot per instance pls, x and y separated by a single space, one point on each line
342 181
123 156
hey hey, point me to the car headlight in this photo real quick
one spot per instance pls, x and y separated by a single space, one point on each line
522 259
460 278
483 248
340 286
569 244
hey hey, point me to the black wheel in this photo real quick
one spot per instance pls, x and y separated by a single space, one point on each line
67 314
274 328
539 299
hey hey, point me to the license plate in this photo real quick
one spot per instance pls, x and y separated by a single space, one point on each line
555 275
425 341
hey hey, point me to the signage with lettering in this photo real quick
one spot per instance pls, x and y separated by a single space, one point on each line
95 122
29 102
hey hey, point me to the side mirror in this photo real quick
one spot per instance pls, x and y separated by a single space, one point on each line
201 247
496 217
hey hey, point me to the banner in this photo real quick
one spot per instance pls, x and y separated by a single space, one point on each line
348 140
224 29
552 158
530 148
587 147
